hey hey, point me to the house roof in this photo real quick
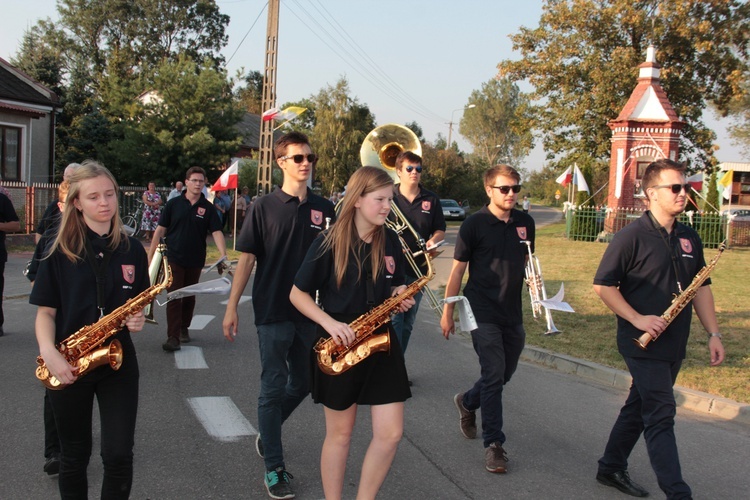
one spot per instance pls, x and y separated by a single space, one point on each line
736 166
18 86
648 102
249 127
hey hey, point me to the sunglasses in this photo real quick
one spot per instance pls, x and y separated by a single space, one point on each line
311 158
409 168
676 188
508 189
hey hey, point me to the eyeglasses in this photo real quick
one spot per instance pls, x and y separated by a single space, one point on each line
411 168
676 188
197 181
508 189
311 158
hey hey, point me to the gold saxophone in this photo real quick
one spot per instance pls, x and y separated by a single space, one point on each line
683 299
81 349
335 359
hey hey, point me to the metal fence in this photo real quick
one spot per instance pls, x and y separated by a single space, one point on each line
600 223
31 201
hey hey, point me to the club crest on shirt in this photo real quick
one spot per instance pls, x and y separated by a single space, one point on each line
316 216
390 264
128 273
426 205
521 232
686 245
201 211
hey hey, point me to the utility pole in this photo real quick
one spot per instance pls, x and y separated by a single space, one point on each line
265 149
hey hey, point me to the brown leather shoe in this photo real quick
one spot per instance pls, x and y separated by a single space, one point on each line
495 458
468 419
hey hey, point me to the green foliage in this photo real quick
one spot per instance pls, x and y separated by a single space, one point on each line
582 60
341 124
251 95
498 127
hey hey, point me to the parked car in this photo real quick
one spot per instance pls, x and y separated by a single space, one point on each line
452 210
737 214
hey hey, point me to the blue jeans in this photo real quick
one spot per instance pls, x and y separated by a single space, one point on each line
649 409
284 381
499 349
404 322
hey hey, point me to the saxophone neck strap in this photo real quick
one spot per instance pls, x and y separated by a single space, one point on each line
99 262
369 282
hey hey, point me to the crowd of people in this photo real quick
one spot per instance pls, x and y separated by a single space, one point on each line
322 268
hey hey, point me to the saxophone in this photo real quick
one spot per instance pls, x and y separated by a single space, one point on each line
682 300
82 350
335 359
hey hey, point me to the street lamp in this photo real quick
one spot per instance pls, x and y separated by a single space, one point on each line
450 125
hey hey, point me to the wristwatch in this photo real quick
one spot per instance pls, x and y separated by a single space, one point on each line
714 335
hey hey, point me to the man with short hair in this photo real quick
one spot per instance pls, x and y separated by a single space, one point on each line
186 221
278 230
646 265
423 211
491 243
177 191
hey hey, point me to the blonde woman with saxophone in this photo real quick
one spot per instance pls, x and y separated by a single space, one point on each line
92 269
357 265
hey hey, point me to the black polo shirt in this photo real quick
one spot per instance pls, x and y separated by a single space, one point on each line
51 218
317 273
641 260
425 214
497 260
71 287
188 225
7 214
278 230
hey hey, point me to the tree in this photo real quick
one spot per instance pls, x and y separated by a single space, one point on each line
251 95
498 127
341 125
582 61
192 121
739 109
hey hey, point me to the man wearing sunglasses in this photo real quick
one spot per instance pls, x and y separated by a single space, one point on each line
278 229
646 264
490 244
425 214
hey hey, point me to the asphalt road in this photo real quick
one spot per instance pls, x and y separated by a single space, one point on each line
197 419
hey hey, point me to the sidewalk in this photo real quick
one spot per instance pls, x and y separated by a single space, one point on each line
18 287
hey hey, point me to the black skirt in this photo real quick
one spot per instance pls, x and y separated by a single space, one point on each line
378 379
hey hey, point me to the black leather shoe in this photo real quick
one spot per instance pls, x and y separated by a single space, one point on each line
52 465
621 481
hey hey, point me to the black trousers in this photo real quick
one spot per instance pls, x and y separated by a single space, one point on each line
180 311
650 409
2 291
117 395
51 439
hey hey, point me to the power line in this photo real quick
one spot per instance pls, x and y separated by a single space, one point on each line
246 34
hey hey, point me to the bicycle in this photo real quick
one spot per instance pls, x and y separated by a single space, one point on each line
132 222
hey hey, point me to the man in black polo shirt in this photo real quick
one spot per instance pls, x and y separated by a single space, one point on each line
645 265
276 234
186 221
423 211
490 243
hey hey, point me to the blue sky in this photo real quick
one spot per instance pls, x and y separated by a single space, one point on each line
408 60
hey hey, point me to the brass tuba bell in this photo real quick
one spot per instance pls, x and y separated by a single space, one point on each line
384 143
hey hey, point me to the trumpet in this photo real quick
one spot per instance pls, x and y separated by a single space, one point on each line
537 291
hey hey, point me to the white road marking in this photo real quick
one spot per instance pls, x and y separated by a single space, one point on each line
190 358
243 299
200 321
221 418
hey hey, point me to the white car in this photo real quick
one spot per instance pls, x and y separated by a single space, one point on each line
737 214
452 210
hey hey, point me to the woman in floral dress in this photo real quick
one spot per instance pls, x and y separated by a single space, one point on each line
152 210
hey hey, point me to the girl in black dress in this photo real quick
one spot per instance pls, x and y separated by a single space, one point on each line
357 265
91 242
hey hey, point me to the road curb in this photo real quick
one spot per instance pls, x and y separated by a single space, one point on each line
689 399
